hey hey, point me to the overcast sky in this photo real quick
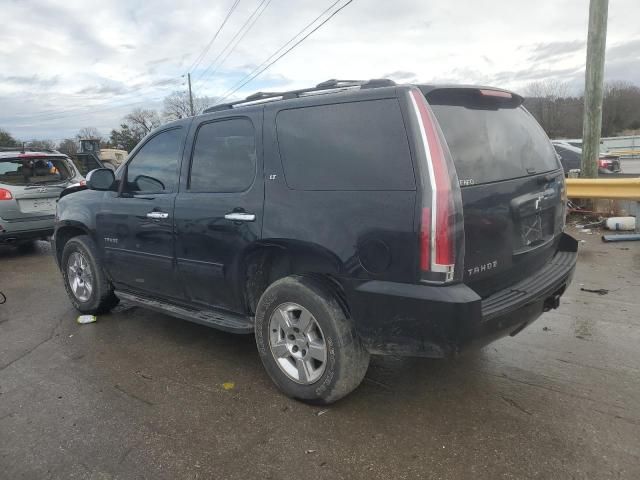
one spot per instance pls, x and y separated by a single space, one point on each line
67 64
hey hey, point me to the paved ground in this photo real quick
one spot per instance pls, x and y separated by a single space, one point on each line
140 395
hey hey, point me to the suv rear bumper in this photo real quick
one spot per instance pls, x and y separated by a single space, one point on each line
12 231
428 321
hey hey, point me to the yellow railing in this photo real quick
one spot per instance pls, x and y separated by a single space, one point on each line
614 188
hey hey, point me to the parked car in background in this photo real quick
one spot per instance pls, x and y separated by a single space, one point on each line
30 182
571 159
333 222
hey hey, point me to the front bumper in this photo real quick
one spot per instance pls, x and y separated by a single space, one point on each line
429 321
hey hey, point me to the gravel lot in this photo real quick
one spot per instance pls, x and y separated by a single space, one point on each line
142 395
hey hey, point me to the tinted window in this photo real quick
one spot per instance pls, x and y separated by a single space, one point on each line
155 167
489 144
347 146
224 157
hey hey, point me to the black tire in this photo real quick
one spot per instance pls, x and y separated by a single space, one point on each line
102 298
347 359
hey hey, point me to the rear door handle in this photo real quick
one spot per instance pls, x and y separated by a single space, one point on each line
157 215
240 217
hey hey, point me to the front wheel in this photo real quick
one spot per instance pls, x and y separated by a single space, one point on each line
307 343
85 281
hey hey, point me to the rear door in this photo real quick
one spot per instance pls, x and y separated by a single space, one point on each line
218 213
510 180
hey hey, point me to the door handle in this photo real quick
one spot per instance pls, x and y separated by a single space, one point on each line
240 217
157 215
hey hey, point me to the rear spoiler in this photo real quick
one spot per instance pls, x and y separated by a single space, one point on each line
471 95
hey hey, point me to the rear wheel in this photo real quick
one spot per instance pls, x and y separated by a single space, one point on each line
307 343
84 279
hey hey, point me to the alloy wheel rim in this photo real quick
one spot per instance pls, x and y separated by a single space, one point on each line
297 343
80 276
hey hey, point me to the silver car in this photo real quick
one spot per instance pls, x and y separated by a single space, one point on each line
30 184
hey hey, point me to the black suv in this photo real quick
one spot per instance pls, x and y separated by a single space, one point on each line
335 222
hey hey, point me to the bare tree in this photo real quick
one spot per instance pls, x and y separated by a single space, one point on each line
135 127
88 133
7 140
68 146
44 144
142 120
546 100
176 105
620 107
550 89
560 114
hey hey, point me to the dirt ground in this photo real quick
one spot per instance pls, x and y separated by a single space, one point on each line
142 395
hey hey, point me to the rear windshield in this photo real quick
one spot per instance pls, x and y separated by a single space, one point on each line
26 171
491 143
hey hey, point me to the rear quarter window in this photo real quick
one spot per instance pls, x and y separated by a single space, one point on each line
345 146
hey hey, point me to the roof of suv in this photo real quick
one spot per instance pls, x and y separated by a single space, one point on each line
334 86
17 152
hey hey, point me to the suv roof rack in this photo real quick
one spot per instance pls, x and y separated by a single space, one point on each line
322 87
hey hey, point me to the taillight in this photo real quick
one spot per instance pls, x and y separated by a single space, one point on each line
441 228
604 162
5 194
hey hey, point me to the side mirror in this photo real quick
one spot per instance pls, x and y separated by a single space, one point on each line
100 179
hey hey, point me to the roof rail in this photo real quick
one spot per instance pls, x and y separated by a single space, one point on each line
332 84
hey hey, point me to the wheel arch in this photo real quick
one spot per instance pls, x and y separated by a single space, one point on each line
65 232
268 261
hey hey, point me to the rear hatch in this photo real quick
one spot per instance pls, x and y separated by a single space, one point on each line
33 184
511 184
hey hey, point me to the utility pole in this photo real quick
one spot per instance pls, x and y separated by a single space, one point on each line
190 95
593 87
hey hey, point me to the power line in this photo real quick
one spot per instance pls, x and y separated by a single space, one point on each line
244 81
290 40
240 30
90 111
224 59
260 69
204 52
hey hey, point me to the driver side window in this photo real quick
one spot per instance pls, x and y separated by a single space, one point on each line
154 169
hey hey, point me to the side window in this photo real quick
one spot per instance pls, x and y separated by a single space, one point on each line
154 169
224 157
345 146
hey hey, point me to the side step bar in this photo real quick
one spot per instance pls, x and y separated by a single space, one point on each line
226 321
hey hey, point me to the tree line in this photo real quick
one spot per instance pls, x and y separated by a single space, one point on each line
549 101
560 113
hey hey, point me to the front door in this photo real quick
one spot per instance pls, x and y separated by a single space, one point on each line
135 225
218 212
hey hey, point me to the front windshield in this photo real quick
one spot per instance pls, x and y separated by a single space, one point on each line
26 171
